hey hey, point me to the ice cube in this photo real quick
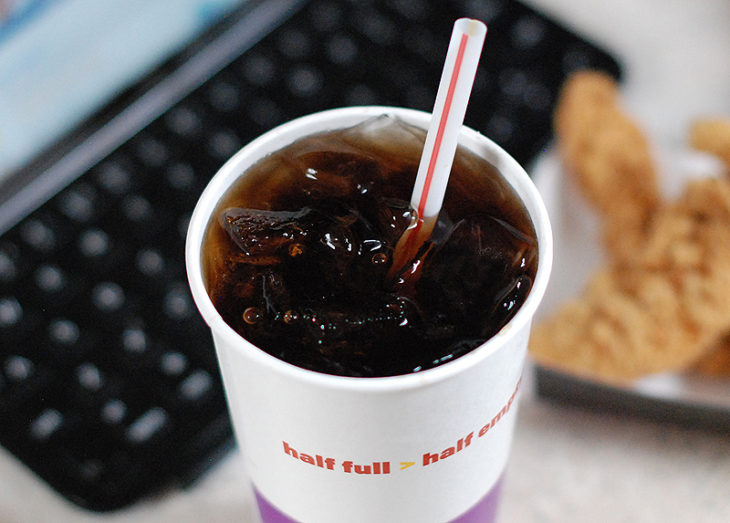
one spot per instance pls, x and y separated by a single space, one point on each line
265 233
390 134
509 300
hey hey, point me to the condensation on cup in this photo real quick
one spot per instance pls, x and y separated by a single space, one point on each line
424 447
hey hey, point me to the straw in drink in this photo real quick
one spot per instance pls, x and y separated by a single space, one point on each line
457 79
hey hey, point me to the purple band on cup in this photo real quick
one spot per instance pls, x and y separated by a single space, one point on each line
269 513
485 511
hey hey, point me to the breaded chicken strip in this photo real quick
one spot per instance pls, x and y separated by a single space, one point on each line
712 136
717 362
659 311
608 155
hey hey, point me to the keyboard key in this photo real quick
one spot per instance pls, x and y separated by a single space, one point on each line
422 45
222 144
79 203
181 177
18 369
295 44
114 412
377 27
52 289
23 382
50 279
182 186
147 426
39 235
66 341
109 304
173 364
64 332
485 10
413 10
223 97
577 57
150 264
342 50
97 253
46 424
90 470
133 353
137 209
11 313
89 377
136 218
183 223
135 341
184 122
90 389
361 94
15 323
259 70
108 297
528 32
195 386
94 244
265 112
10 267
115 177
305 81
178 304
326 16
150 151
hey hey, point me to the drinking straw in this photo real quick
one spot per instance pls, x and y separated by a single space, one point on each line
457 79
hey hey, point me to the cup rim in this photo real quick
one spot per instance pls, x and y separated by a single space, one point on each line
339 118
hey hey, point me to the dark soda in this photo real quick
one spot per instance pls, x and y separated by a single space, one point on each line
297 258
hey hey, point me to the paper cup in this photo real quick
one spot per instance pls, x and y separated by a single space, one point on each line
425 447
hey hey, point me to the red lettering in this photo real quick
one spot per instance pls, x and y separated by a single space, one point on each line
430 458
364 469
501 413
448 452
288 450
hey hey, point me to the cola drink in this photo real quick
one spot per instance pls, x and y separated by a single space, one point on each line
297 257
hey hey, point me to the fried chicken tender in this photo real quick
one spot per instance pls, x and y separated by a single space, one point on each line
659 311
609 157
712 136
717 361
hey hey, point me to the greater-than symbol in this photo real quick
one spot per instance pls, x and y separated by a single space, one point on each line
405 464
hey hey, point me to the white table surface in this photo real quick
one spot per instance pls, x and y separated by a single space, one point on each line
568 465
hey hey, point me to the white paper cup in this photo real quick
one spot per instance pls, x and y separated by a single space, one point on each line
424 447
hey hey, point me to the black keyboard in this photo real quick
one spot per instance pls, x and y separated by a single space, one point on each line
109 388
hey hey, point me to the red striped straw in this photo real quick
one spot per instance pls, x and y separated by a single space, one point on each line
457 79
